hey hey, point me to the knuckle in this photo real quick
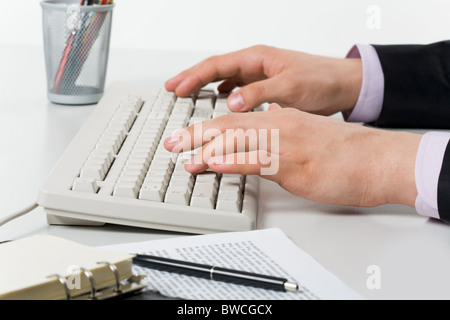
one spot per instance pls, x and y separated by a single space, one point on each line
255 91
211 62
210 59
261 47
197 77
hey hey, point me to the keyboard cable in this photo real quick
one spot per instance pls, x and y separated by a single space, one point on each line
18 214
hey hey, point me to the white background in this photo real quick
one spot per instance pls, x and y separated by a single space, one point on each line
320 26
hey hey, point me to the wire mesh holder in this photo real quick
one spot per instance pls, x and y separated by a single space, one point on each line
76 50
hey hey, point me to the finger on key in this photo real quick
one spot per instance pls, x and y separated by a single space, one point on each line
256 162
230 142
196 135
237 65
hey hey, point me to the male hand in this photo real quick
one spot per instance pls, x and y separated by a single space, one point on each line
316 84
315 157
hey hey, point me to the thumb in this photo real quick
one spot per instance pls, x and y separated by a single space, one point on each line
252 95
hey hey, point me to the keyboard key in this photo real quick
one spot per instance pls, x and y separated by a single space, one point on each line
139 158
204 195
205 94
229 197
232 178
183 180
178 194
158 115
221 105
103 153
152 191
204 114
206 104
208 177
112 143
123 121
132 102
229 190
161 180
104 158
184 101
126 190
250 203
228 205
98 163
85 185
93 171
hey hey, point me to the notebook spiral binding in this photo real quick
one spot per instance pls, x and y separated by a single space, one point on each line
119 289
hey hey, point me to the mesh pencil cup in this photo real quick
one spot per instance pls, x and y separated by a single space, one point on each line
76 48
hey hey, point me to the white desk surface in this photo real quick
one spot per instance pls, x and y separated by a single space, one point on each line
413 252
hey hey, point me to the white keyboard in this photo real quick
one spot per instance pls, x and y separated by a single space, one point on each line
117 171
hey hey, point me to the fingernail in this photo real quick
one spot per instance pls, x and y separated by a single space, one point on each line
175 138
236 102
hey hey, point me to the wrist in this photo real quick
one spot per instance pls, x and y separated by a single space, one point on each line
349 81
397 167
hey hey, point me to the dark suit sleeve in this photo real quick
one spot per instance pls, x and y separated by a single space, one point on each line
416 86
417 95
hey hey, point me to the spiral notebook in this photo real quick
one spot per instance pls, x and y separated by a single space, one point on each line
45 267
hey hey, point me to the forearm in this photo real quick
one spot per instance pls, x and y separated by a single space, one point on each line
398 167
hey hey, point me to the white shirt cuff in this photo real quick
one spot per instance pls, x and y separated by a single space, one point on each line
427 170
370 100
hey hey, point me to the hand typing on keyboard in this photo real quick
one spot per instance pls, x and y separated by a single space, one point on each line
315 84
316 157
117 170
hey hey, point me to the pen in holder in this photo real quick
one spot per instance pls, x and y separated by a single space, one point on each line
76 48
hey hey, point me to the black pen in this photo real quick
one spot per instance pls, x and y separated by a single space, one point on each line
215 273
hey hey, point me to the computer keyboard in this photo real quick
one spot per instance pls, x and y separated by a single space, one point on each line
116 170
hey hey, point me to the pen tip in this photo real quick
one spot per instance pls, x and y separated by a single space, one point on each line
290 286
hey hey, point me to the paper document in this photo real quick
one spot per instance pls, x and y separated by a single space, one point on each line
267 252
